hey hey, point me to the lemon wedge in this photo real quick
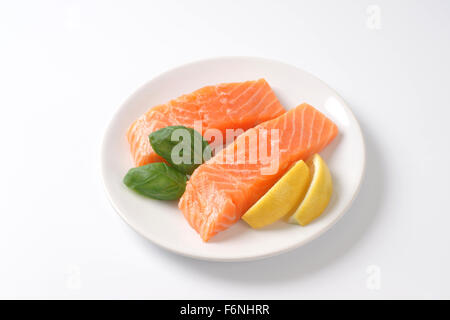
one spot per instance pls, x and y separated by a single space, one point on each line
318 195
281 199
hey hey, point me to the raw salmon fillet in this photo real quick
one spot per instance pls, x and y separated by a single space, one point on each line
219 193
224 106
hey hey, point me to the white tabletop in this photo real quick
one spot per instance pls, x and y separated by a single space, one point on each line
65 67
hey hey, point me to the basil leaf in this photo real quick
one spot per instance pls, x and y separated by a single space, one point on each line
183 148
156 180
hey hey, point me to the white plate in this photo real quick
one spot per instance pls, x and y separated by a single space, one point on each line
162 222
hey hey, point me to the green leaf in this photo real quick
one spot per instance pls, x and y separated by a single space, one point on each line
183 148
157 181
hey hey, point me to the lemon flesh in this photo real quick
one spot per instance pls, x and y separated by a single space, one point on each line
281 199
318 195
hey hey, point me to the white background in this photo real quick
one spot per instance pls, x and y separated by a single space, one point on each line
65 67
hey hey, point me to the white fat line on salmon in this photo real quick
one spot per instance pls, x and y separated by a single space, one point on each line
208 311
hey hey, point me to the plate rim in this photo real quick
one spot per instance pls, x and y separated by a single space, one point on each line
227 259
